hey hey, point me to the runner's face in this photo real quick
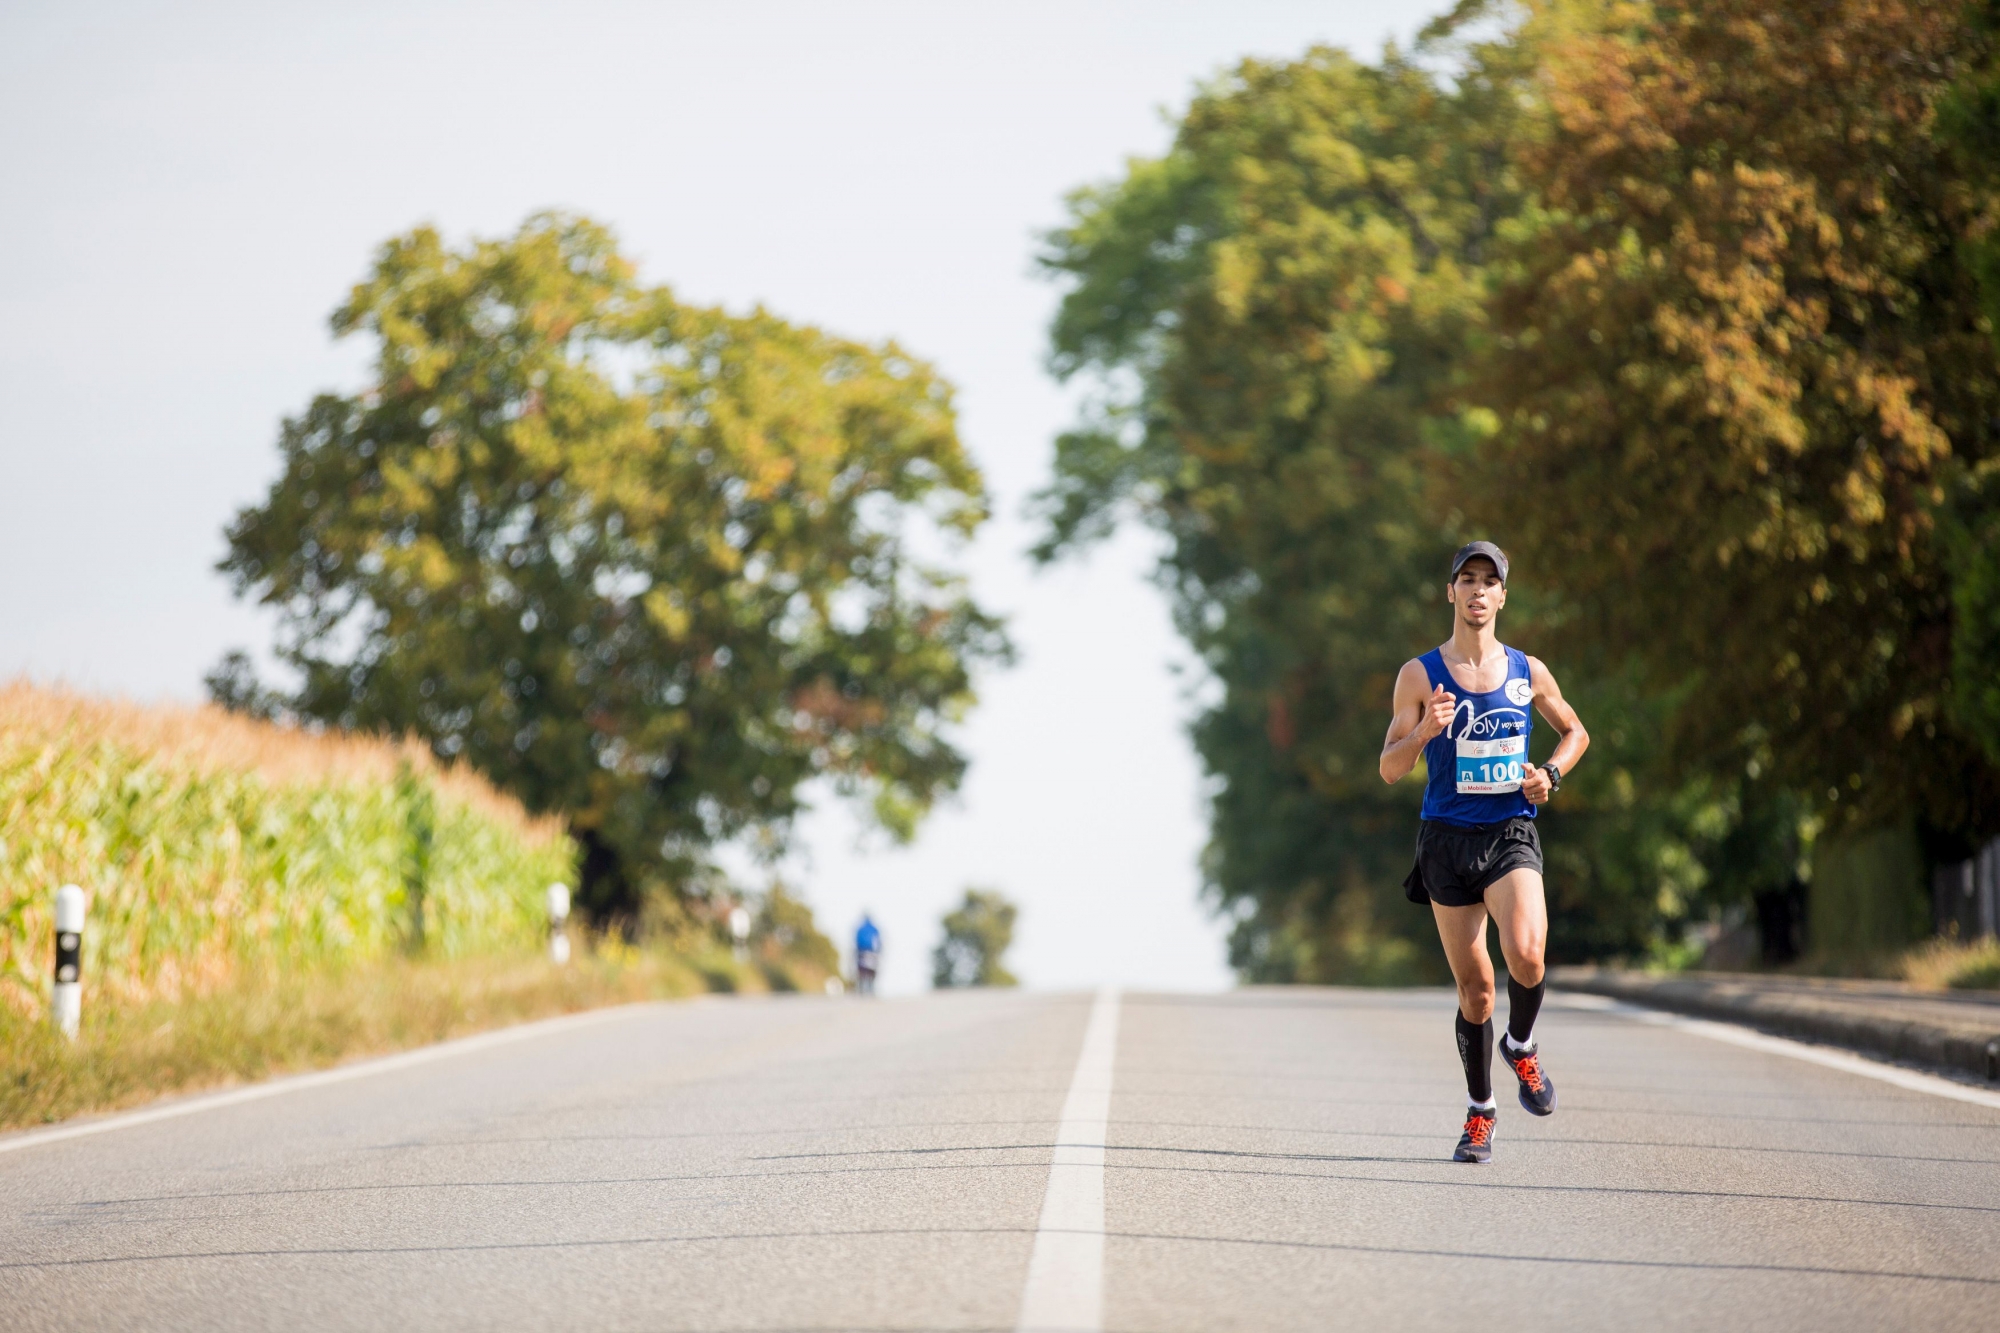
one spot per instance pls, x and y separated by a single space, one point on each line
1477 592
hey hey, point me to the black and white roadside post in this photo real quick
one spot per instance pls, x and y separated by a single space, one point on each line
68 1011
558 921
739 930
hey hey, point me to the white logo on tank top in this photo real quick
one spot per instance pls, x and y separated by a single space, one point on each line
1519 691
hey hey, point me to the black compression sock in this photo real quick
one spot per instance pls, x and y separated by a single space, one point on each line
1523 1003
1475 1052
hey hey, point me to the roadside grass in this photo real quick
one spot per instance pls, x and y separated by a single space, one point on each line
1946 964
280 1022
1935 964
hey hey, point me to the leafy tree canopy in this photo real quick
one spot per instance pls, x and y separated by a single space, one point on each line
785 930
649 565
1738 352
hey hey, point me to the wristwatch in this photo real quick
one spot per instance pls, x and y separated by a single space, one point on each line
1555 778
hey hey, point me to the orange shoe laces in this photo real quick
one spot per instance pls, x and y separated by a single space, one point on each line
1528 1068
1479 1129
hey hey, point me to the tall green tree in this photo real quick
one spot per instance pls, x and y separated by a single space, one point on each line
1738 351
977 934
649 565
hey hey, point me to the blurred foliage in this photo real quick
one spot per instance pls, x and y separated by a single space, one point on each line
977 934
1570 279
649 566
795 954
1972 544
1969 125
1851 916
211 846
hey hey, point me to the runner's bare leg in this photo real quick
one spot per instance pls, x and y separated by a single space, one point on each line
1521 919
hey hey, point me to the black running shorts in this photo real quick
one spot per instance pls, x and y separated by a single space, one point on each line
1456 865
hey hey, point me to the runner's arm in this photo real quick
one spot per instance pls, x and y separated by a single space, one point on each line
1421 713
1555 710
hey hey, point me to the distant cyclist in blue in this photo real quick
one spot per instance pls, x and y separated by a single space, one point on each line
867 954
1467 707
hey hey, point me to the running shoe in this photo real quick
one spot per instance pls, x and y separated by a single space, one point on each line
1476 1144
1538 1094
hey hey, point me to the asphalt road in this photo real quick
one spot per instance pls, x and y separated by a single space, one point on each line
1270 1160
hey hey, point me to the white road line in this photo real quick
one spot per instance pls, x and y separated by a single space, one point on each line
1065 1288
1796 1050
35 1138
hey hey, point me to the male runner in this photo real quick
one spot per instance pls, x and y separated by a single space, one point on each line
1464 707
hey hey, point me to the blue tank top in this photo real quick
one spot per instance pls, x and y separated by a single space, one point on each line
1475 764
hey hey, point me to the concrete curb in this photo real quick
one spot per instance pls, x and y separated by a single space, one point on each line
1859 1022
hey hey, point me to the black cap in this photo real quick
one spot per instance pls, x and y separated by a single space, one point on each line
1487 549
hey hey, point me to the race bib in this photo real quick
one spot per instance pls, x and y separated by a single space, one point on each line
1491 768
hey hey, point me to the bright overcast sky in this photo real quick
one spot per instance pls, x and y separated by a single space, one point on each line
190 189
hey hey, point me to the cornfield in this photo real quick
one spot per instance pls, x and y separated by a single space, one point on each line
210 843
